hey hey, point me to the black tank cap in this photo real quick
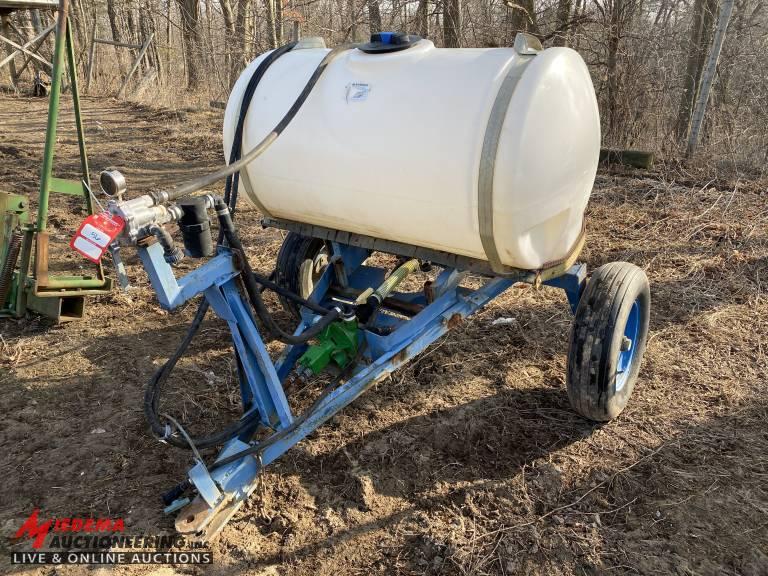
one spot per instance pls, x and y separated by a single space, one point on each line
382 42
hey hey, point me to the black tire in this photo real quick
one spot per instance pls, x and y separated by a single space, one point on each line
293 252
601 376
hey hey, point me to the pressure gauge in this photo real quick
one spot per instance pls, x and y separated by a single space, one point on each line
112 183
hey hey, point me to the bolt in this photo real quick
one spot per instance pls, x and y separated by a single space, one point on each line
626 344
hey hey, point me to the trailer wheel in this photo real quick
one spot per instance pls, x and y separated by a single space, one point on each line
608 340
300 262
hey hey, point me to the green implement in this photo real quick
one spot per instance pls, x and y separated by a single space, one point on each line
338 343
25 283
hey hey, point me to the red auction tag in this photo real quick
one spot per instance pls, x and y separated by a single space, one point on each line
95 235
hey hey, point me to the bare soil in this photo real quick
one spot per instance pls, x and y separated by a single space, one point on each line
467 461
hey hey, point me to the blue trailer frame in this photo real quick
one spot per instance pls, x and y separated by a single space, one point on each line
222 490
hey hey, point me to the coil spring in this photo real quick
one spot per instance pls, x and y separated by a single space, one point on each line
6 275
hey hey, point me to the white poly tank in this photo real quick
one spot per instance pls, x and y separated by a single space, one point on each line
401 146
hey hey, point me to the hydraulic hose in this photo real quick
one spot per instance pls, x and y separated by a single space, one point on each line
254 294
251 280
171 253
152 397
209 179
395 279
154 386
268 284
230 189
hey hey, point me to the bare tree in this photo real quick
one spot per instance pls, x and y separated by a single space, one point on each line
271 23
522 16
190 33
422 18
708 75
374 16
452 23
242 31
647 57
563 18
701 27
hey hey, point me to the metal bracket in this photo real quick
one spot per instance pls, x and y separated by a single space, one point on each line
205 485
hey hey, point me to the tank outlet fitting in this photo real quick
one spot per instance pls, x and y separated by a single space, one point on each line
363 297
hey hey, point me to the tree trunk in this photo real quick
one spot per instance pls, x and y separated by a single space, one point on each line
573 38
77 26
229 31
112 14
169 37
422 18
708 75
374 16
271 30
351 35
696 50
736 49
147 27
615 32
523 16
133 35
5 29
190 33
239 53
34 18
563 19
279 21
116 35
452 23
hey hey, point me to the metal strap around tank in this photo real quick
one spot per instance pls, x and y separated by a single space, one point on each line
488 162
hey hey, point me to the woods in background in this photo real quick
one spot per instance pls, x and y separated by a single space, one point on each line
647 57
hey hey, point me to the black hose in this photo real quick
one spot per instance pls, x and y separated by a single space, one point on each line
152 397
261 147
268 284
233 180
251 280
171 253
254 294
154 386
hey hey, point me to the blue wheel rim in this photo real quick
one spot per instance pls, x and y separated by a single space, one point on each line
627 357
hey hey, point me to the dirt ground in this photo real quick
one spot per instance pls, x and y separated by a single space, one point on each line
467 461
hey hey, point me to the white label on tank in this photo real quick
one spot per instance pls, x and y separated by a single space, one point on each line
357 91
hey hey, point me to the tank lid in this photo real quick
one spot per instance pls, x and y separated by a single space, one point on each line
382 42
